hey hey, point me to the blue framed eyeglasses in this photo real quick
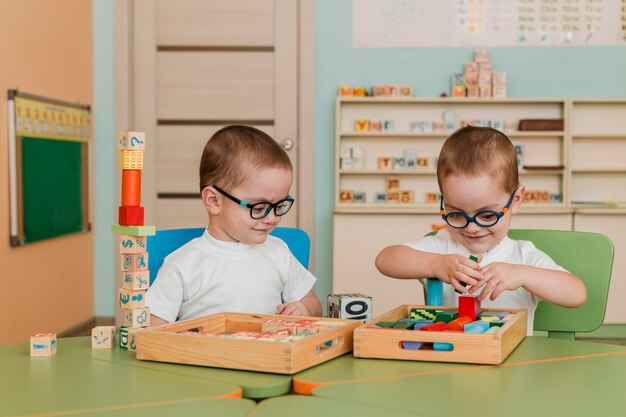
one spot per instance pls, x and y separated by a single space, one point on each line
484 218
261 209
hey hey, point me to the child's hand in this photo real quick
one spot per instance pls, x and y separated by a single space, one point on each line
296 308
458 270
497 277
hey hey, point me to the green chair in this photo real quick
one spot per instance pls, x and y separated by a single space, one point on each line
589 256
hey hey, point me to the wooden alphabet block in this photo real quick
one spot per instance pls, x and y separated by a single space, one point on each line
399 163
103 337
393 183
132 339
432 198
132 244
345 90
422 162
130 216
131 160
458 91
124 337
472 91
137 317
406 90
386 125
131 262
132 141
131 299
406 197
346 196
359 92
499 90
385 162
358 197
393 196
362 125
375 126
43 344
137 280
350 306
381 197
131 187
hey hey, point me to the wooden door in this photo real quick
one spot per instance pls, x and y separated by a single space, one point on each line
198 65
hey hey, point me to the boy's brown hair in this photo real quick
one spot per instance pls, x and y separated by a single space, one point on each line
236 151
475 151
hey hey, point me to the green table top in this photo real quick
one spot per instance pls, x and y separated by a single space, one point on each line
253 384
349 369
301 406
543 377
66 383
232 407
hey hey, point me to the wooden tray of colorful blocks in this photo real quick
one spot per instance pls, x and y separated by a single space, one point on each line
253 342
427 333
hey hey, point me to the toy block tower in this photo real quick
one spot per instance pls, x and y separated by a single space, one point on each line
132 234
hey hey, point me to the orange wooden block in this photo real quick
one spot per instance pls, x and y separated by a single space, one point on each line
131 187
130 216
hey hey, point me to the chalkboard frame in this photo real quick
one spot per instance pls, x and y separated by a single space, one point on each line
44 132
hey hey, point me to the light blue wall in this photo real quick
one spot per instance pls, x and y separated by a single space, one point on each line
531 72
104 158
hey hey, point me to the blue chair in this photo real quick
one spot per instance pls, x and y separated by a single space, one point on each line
165 242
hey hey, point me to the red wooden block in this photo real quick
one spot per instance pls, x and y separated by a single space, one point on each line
130 216
469 305
437 326
131 187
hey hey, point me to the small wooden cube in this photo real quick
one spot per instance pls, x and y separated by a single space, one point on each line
385 162
136 280
102 337
406 196
393 183
469 306
131 160
458 91
133 141
362 125
43 344
345 90
358 91
346 196
132 244
130 216
350 306
131 262
132 340
131 299
137 317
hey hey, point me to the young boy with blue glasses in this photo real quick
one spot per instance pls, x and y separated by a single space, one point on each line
480 191
245 177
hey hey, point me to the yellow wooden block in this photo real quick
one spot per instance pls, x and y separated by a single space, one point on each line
362 125
132 244
132 141
136 280
137 317
131 299
131 159
131 262
43 344
103 337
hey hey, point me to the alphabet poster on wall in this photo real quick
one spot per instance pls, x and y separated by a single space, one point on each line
487 23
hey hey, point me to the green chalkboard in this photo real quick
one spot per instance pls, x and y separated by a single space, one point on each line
52 187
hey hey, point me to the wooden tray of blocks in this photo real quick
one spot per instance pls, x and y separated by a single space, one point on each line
403 342
253 342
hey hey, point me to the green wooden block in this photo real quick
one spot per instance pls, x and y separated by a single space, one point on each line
498 323
124 337
447 316
133 230
386 324
406 325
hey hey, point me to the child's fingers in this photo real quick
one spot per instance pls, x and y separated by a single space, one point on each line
280 308
468 275
489 286
497 291
460 287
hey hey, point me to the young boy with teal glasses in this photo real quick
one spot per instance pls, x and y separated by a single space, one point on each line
235 266
480 191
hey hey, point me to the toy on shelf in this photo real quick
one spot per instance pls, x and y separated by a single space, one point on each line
386 90
478 80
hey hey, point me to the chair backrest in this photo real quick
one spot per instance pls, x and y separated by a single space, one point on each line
589 256
165 242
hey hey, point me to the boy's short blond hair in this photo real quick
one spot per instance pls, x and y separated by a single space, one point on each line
235 152
475 151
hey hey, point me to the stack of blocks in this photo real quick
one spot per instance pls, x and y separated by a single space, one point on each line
132 244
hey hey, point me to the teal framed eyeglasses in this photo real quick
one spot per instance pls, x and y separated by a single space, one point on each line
484 218
261 209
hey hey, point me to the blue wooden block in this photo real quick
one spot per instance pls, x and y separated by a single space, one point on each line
434 292
477 326
412 345
443 346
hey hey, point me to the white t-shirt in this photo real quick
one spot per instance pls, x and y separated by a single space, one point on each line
208 276
520 252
